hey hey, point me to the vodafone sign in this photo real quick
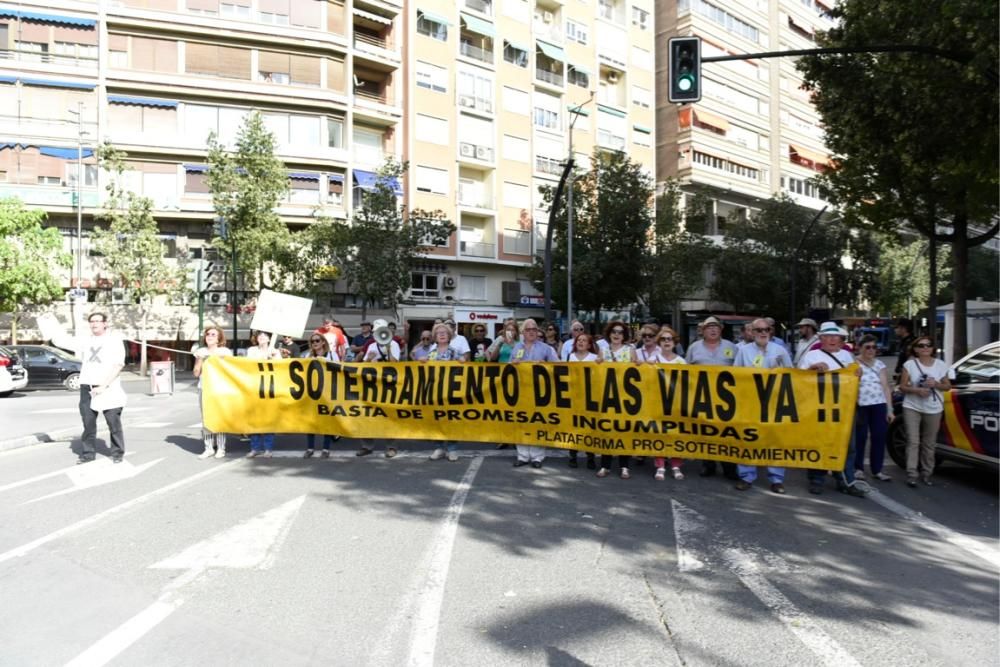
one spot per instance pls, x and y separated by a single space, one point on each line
485 315
482 316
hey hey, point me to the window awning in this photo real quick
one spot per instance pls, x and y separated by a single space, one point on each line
478 26
141 101
642 128
813 156
581 69
196 168
48 18
431 16
337 178
516 45
611 111
367 180
580 111
709 118
8 79
377 18
303 176
551 50
58 84
64 153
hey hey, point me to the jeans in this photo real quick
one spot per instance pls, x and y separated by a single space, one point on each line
749 474
113 417
262 441
871 419
311 441
844 477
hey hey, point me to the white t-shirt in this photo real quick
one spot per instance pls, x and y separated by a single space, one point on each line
654 356
918 372
374 352
870 391
590 357
819 356
460 344
678 359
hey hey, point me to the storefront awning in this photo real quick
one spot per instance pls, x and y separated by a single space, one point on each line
551 50
478 26
709 118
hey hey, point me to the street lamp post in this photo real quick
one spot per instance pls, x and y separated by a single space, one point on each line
79 192
574 113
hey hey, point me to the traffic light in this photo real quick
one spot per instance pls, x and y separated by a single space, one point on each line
684 65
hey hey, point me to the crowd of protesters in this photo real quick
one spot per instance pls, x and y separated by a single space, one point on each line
819 348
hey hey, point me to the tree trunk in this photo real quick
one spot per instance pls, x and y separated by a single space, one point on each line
14 319
960 280
932 300
143 356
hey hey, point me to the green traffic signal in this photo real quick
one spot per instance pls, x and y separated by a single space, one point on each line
684 66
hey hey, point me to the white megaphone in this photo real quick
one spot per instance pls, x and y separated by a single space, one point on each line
381 332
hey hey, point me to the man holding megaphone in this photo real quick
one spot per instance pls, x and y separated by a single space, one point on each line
383 348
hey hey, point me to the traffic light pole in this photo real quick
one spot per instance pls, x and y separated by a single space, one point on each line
957 56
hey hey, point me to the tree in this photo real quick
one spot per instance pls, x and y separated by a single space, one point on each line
247 186
915 135
782 242
130 248
376 250
676 267
612 220
904 273
29 256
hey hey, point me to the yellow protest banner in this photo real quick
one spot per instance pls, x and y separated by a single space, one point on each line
792 418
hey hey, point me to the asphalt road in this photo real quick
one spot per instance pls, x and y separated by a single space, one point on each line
170 560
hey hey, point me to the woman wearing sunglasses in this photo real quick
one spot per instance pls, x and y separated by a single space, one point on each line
648 352
215 346
621 351
922 382
319 348
666 340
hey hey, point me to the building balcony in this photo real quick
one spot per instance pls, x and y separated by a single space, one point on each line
470 50
76 62
49 195
552 78
478 250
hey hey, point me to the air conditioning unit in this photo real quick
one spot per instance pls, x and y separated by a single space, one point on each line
218 299
449 282
511 292
466 101
119 296
483 153
612 77
467 150
547 16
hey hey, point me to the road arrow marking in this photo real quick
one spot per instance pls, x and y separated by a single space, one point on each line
47 475
98 473
690 528
249 545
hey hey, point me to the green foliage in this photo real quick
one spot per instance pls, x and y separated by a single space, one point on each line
612 220
129 248
29 256
376 250
247 185
753 271
676 267
904 274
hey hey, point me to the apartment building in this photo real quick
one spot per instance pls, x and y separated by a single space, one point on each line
754 133
475 96
490 85
155 77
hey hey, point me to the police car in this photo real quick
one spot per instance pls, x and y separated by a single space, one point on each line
970 427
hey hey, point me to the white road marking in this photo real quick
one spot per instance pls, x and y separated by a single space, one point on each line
151 425
38 478
76 410
98 473
745 564
251 544
420 609
990 554
27 548
198 425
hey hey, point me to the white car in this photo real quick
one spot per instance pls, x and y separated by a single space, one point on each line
13 376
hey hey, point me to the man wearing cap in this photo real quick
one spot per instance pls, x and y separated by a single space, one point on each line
712 350
807 337
762 353
831 356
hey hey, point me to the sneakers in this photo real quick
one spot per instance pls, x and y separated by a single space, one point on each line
437 454
452 456
660 475
743 485
309 453
325 453
267 454
882 477
117 459
778 488
816 489
254 454
678 475
853 490
926 480
364 451
911 482
390 452
220 453
207 454
603 472
625 474
859 474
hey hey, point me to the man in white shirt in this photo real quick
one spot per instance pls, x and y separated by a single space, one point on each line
459 343
103 355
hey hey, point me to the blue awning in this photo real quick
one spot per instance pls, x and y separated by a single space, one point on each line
8 79
478 26
367 180
64 153
58 84
196 168
551 50
48 18
337 178
303 176
141 101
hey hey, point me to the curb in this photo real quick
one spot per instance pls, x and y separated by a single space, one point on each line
42 438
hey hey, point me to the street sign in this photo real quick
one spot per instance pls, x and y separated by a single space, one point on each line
78 294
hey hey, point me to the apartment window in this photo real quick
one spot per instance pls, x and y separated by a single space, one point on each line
519 10
720 16
431 77
432 130
547 112
515 55
641 136
517 241
237 11
335 190
472 288
475 91
432 26
516 195
434 181
277 124
304 130
335 132
274 12
578 77
641 97
213 60
425 285
200 120
640 18
606 9
156 55
576 32
302 13
642 58
516 148
516 101
303 188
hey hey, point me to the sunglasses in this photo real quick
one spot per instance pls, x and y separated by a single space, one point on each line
648 335
922 345
531 328
316 340
620 332
666 339
577 329
761 329
480 330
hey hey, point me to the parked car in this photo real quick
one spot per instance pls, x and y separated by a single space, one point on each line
970 427
49 366
13 376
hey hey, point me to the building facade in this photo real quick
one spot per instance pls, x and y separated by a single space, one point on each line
475 97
